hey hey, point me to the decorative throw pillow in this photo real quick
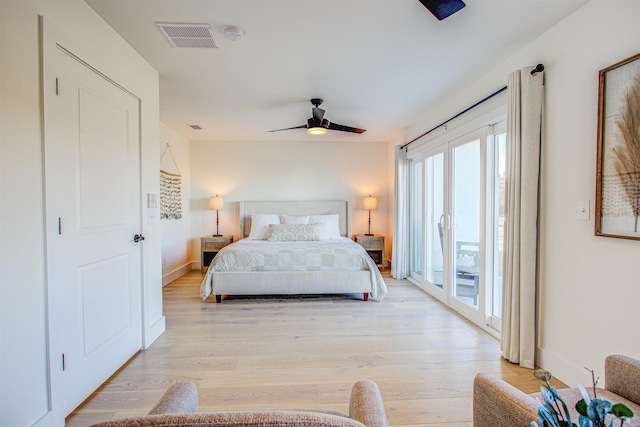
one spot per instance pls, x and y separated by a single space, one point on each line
293 232
260 225
329 226
291 219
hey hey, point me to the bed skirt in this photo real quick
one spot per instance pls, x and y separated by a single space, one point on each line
290 282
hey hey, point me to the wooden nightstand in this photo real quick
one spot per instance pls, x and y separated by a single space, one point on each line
210 246
374 245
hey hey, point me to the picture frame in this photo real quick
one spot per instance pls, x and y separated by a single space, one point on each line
617 211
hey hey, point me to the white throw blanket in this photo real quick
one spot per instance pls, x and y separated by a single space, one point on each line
324 255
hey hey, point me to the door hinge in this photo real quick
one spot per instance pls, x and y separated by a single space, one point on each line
60 226
63 363
57 86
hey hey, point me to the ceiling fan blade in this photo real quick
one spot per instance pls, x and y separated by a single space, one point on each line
336 126
318 114
295 127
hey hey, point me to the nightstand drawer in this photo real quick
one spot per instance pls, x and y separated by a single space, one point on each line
371 243
212 245
375 242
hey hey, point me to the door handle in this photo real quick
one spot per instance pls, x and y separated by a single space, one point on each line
138 238
445 222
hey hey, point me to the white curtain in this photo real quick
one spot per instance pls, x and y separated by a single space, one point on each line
399 262
524 119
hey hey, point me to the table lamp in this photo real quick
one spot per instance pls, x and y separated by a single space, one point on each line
216 203
370 203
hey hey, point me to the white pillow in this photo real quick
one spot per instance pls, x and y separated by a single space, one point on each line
329 226
293 232
290 219
260 225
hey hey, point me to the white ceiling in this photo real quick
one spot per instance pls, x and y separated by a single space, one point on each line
376 63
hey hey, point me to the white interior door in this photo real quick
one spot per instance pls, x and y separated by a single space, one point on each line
93 203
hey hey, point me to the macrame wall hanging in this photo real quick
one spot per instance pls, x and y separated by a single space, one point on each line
170 190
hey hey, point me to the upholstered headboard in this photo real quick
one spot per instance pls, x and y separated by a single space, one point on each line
310 207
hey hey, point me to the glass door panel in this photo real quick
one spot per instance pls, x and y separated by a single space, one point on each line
465 243
416 217
434 214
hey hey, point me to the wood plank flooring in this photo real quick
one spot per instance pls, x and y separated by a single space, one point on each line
249 353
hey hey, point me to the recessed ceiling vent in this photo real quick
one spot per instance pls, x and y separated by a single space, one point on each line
198 36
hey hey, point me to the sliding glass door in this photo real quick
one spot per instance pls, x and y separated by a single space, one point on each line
466 212
456 222
427 212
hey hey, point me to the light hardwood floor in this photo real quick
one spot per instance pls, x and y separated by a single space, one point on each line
307 352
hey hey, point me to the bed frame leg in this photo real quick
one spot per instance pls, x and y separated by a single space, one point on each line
365 296
218 299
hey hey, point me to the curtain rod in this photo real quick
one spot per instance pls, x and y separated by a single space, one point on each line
538 69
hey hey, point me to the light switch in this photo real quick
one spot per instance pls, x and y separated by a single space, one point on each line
152 216
152 200
584 210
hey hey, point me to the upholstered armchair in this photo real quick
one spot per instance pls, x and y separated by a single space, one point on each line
179 407
498 404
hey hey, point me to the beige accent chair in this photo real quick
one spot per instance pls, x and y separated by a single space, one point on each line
179 407
498 404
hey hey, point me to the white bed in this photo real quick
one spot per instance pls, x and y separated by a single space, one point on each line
328 266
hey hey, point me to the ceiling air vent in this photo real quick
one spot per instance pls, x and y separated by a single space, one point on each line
199 36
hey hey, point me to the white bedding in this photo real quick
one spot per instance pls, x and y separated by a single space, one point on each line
303 256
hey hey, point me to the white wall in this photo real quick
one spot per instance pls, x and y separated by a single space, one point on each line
305 170
24 385
176 233
589 286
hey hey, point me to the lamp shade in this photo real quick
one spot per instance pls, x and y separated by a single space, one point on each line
216 203
370 203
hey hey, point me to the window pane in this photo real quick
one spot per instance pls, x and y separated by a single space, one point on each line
466 222
416 217
434 207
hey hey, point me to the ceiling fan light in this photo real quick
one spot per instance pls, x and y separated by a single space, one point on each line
316 130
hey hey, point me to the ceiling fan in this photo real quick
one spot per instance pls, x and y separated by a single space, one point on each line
443 8
318 125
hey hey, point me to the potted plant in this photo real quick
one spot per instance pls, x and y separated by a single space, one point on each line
593 412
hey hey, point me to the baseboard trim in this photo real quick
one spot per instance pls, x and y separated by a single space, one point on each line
178 272
563 370
154 331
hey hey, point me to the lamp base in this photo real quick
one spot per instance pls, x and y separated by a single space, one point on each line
368 234
216 235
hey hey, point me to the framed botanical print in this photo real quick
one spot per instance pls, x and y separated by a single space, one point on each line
618 170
